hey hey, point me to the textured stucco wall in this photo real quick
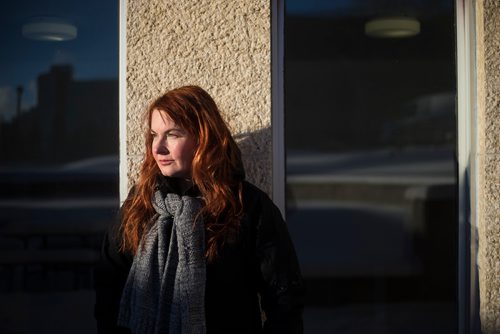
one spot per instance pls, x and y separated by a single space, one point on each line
488 126
220 45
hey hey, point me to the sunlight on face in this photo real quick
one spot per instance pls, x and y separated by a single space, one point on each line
173 148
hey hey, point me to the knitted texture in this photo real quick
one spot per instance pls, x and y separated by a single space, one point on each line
165 288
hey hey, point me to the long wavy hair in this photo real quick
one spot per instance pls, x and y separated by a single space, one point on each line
217 171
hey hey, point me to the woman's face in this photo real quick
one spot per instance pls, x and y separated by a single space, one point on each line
173 147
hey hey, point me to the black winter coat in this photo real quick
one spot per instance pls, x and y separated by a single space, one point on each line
259 270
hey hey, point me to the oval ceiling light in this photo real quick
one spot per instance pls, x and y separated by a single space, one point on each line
49 29
392 27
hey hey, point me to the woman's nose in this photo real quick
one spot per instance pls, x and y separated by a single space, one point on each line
160 147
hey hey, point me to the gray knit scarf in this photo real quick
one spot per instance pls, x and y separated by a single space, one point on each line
165 288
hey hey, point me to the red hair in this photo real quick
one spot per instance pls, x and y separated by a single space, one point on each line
217 170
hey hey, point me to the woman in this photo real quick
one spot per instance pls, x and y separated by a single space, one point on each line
197 249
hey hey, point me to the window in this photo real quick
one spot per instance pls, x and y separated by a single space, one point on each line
58 158
371 170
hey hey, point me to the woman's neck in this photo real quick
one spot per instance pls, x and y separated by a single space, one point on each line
183 184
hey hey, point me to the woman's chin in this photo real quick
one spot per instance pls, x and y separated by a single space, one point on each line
169 173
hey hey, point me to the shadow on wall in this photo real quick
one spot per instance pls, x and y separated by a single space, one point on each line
256 151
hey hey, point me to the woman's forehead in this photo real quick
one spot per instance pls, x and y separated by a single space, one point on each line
161 118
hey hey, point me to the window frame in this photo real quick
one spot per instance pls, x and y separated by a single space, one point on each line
122 100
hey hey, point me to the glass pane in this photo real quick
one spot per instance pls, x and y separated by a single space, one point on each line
58 159
370 90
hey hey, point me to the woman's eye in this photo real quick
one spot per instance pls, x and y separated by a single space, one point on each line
173 135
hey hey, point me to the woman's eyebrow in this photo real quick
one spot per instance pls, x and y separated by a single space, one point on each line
168 130
174 129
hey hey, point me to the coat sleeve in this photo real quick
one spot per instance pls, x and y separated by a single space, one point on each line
110 276
281 285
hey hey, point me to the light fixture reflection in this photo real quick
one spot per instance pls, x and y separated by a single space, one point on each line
392 27
49 29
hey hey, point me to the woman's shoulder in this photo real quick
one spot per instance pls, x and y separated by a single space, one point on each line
252 192
256 201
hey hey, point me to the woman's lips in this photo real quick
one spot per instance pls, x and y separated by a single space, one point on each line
165 162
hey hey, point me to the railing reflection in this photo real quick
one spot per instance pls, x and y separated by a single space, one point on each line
52 222
373 229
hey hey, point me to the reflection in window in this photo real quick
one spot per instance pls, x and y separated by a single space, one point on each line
58 158
371 170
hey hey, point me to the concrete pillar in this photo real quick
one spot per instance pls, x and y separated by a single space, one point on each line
488 156
222 46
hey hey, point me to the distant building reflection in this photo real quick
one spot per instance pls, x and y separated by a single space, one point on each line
72 120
